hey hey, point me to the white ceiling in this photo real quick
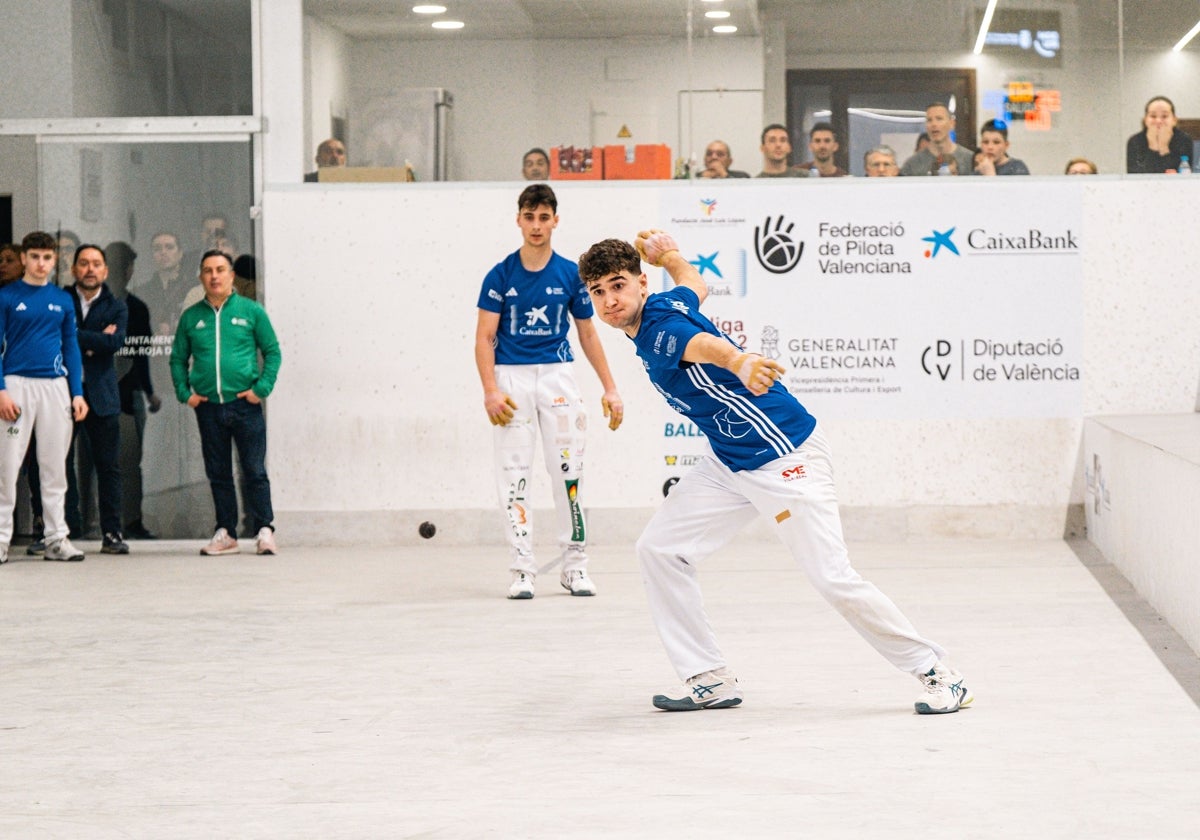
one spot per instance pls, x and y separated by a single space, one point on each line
812 26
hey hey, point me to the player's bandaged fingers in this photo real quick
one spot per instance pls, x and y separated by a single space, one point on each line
653 245
614 411
756 372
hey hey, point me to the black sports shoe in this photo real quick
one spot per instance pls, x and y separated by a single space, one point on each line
114 544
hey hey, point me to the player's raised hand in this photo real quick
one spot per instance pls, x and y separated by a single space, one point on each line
758 373
499 407
653 245
614 409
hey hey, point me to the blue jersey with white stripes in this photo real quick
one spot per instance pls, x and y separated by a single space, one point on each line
535 309
744 431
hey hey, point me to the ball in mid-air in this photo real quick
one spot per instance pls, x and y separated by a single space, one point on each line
427 529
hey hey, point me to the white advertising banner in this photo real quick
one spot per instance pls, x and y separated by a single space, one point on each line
928 305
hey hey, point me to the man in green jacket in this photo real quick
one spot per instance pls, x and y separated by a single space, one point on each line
216 370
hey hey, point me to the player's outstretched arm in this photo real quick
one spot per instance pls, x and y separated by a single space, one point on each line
757 373
659 249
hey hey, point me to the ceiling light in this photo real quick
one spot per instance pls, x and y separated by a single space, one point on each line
429 10
1183 42
725 28
716 14
984 26
448 24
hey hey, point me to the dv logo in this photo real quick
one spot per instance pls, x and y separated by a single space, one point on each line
775 248
933 355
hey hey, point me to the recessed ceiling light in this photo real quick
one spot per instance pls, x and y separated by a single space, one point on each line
717 13
448 24
712 1
429 10
725 29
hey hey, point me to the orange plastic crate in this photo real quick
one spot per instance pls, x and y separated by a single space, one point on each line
651 162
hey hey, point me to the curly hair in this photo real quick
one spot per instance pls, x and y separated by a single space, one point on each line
610 256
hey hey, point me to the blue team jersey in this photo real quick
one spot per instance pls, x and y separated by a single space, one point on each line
37 327
534 308
744 431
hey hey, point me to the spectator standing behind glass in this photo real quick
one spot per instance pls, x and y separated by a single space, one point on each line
10 264
1081 166
776 148
331 153
993 144
822 142
535 166
942 150
718 160
1160 144
880 162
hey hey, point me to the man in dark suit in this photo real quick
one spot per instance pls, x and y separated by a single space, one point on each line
102 320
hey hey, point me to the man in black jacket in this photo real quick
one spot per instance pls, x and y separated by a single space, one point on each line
102 320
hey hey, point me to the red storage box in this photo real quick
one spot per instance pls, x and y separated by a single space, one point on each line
568 163
650 163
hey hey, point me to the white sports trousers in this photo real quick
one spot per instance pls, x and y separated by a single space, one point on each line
549 404
707 508
45 408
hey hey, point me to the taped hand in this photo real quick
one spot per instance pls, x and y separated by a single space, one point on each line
653 245
758 373
499 407
614 409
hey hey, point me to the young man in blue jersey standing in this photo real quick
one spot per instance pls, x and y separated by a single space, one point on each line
524 361
769 457
41 390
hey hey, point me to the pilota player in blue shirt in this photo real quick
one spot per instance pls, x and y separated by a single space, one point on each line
769 457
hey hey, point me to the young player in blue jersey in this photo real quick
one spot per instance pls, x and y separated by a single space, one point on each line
41 390
770 457
524 358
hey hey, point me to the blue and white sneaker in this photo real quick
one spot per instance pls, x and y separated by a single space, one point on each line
945 691
711 690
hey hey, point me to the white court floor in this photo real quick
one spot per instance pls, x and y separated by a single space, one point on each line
376 693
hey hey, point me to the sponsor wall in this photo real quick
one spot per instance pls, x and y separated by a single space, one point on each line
922 303
377 422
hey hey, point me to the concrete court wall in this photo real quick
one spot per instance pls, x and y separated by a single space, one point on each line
377 424
1143 491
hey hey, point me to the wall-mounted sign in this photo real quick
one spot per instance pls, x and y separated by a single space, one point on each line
1025 36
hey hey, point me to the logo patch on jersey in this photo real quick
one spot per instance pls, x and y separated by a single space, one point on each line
54 307
793 473
537 315
554 290
240 322
680 306
21 307
494 295
200 324
511 292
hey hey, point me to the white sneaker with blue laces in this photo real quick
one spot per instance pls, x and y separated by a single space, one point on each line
711 690
945 691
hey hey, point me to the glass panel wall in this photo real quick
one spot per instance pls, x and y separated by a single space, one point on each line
155 207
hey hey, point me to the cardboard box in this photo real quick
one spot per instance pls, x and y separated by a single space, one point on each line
647 162
364 174
570 163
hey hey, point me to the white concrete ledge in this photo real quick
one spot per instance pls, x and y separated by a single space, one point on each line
1143 508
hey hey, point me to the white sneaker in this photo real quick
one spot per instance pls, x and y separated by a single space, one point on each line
264 543
62 550
3 554
945 691
221 543
522 586
577 582
711 690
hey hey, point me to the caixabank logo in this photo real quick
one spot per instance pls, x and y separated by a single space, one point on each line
776 246
722 270
982 241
